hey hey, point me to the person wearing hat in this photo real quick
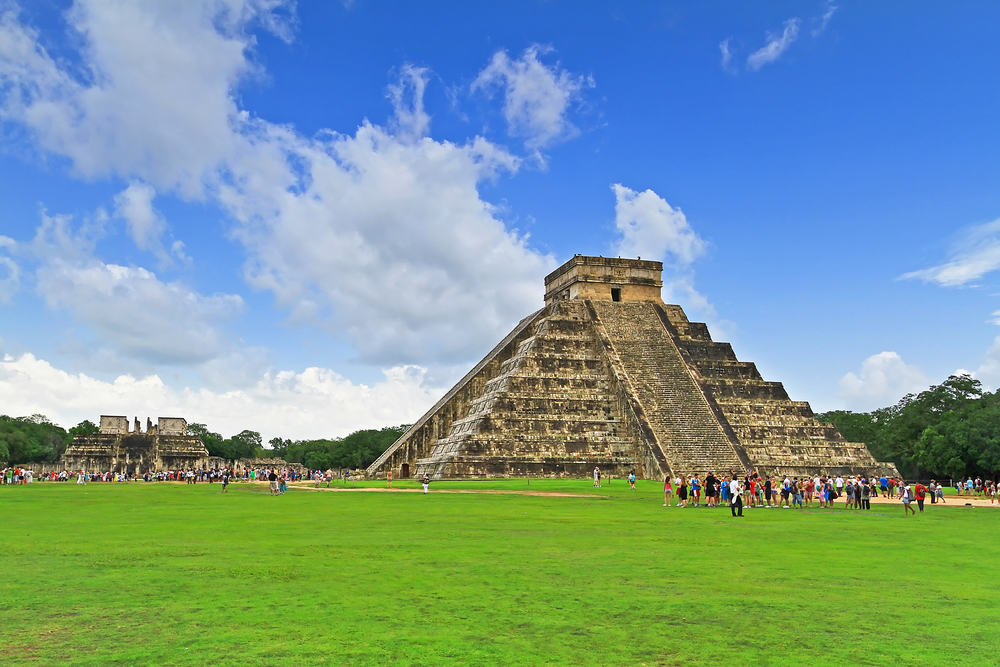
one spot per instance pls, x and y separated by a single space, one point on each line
426 481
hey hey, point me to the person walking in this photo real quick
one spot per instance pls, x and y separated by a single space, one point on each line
388 479
631 480
225 482
906 498
426 481
735 497
272 479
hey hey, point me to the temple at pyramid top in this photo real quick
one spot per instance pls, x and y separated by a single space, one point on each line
606 375
605 279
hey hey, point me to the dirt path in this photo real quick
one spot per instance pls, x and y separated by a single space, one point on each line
552 494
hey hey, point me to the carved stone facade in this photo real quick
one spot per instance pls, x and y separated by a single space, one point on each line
163 446
608 375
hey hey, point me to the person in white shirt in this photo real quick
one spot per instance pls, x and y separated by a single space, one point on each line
907 496
735 497
839 483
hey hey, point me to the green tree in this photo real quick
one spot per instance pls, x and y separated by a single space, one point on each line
86 427
357 450
245 445
214 442
31 439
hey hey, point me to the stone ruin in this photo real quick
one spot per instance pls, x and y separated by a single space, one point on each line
607 375
165 445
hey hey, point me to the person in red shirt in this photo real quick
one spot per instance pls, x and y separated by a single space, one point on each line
921 492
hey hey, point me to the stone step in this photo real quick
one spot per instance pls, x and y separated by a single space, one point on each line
754 391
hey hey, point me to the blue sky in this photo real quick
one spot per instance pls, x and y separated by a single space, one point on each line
309 219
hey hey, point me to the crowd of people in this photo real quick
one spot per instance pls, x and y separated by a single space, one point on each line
18 475
753 490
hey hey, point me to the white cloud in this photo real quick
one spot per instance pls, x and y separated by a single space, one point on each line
312 404
407 96
884 378
975 254
727 55
537 97
157 103
381 236
145 225
131 311
825 19
650 226
10 272
776 45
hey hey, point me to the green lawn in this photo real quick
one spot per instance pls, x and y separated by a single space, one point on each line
175 574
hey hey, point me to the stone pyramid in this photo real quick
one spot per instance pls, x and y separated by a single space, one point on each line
607 375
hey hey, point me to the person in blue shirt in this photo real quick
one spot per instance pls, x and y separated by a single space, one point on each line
883 483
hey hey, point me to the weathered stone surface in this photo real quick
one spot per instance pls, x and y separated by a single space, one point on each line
607 375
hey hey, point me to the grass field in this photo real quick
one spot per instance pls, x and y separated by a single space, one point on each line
175 574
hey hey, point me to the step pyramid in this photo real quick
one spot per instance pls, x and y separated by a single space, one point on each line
606 375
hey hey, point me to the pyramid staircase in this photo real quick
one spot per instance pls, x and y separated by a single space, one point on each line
549 411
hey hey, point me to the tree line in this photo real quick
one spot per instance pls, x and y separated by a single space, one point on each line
35 439
357 450
948 431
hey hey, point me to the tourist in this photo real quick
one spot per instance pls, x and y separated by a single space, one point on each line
388 479
883 483
920 492
696 490
631 480
939 492
426 481
81 478
786 489
865 495
225 482
272 478
768 489
710 497
667 491
682 491
849 490
759 490
797 490
906 498
282 483
596 477
735 493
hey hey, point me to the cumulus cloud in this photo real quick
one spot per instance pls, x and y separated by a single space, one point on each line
975 254
128 308
884 378
653 229
650 226
144 223
381 236
776 45
314 403
537 97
